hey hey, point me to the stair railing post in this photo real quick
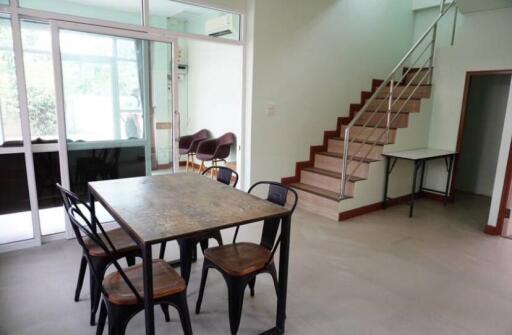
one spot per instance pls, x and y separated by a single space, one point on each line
344 164
390 104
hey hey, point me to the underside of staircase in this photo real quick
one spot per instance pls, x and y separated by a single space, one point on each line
317 180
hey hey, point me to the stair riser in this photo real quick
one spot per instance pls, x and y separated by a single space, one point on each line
404 93
411 106
325 182
380 119
334 164
318 205
371 134
355 148
422 77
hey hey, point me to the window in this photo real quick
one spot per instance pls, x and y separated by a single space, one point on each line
10 123
125 11
37 56
101 82
181 17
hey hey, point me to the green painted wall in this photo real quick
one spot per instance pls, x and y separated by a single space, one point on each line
483 42
311 63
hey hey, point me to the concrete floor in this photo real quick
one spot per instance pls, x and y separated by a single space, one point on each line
381 273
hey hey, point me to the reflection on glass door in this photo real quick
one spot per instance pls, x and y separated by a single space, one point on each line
15 215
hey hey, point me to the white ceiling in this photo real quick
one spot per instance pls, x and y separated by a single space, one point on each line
469 6
157 7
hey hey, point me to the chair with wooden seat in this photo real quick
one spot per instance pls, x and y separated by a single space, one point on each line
122 290
99 261
188 145
240 263
187 246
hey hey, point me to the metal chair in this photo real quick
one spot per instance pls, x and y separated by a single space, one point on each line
122 290
240 263
215 150
187 246
188 145
98 258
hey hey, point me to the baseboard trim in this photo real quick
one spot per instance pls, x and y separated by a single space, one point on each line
491 230
373 207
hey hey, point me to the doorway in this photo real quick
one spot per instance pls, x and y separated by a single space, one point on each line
480 135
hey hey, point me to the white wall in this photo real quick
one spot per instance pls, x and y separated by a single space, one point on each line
483 128
214 89
311 60
483 42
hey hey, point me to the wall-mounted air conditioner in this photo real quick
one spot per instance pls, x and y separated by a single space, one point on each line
220 26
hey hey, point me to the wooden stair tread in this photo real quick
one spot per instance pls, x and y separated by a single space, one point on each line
318 191
330 173
355 140
354 158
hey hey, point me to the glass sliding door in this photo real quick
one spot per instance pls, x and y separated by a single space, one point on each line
15 215
114 106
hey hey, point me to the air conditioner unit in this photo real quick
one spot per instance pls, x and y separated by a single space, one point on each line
220 26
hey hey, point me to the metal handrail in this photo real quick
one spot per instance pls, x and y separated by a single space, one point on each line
391 83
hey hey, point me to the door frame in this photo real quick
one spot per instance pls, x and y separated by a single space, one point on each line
507 184
460 135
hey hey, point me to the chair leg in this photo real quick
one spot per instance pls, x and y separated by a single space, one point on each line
236 289
218 237
165 309
201 167
130 260
99 268
93 284
204 244
184 313
162 250
188 161
102 318
81 275
273 272
252 284
204 276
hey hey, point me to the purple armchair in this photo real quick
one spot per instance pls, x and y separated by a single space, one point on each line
188 145
215 150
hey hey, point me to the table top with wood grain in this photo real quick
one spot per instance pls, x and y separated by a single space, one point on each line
167 207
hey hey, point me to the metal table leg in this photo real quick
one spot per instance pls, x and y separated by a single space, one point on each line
417 164
386 183
284 255
147 269
448 179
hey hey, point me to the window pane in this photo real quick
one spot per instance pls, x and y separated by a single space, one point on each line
15 216
4 2
101 82
125 11
180 17
10 124
36 38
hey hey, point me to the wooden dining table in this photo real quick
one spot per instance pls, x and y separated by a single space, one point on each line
169 207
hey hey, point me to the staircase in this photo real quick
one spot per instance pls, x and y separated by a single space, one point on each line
352 153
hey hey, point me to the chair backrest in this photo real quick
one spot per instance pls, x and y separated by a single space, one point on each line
224 174
277 194
224 144
202 134
82 225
